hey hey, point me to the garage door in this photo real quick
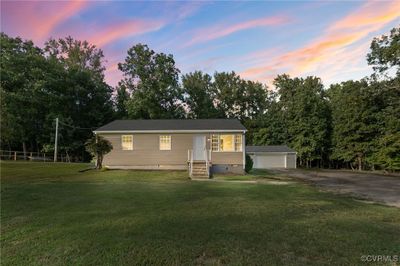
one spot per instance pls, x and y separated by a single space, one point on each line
269 161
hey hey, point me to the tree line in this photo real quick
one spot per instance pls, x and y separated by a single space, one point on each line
354 124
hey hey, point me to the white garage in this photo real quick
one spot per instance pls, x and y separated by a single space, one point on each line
267 157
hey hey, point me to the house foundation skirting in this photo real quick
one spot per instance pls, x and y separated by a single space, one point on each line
227 168
216 168
150 167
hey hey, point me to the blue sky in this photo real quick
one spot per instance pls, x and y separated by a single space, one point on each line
258 40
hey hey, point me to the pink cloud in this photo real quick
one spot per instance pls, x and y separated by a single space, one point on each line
371 14
340 39
124 29
220 31
37 20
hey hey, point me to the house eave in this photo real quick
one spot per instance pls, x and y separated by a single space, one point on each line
170 131
271 152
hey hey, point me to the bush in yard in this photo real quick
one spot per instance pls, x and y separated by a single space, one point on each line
98 147
249 164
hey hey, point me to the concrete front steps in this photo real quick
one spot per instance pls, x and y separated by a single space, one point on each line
199 170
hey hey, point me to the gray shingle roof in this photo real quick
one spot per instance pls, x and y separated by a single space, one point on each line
173 124
269 148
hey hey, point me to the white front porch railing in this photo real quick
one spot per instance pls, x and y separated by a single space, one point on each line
207 159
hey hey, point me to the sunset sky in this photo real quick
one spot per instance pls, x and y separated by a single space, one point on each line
258 40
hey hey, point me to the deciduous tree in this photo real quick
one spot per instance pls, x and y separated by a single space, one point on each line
199 96
152 79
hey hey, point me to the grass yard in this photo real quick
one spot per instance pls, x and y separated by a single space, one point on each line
51 214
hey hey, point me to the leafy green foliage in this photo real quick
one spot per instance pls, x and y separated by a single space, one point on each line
121 100
386 144
199 95
238 98
297 116
77 54
224 95
98 147
385 52
152 79
64 80
354 124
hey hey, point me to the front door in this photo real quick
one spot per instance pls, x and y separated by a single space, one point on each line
199 148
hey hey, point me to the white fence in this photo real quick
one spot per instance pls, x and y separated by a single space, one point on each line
33 156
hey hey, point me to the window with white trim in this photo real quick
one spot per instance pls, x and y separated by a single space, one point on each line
238 142
226 142
165 142
127 142
215 143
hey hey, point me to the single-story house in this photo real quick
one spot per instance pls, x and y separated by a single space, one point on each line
266 157
203 146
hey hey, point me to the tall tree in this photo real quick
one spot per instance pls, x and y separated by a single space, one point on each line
384 56
354 121
84 100
306 113
238 98
22 73
37 86
198 93
152 79
386 145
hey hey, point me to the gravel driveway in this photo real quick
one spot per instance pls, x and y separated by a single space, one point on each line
375 187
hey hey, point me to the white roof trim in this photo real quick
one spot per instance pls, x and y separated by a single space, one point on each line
273 152
172 131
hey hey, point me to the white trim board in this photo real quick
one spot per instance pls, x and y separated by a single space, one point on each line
270 152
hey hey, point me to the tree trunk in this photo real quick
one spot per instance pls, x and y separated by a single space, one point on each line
24 149
99 161
359 163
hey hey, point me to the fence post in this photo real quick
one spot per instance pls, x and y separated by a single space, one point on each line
44 157
15 156
30 157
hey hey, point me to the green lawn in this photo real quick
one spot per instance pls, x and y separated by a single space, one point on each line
51 214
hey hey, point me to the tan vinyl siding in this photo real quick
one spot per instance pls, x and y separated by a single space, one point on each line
146 151
227 157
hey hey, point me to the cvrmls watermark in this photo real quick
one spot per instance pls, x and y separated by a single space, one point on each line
380 258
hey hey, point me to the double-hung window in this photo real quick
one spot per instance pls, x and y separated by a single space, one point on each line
226 142
127 142
238 142
165 142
